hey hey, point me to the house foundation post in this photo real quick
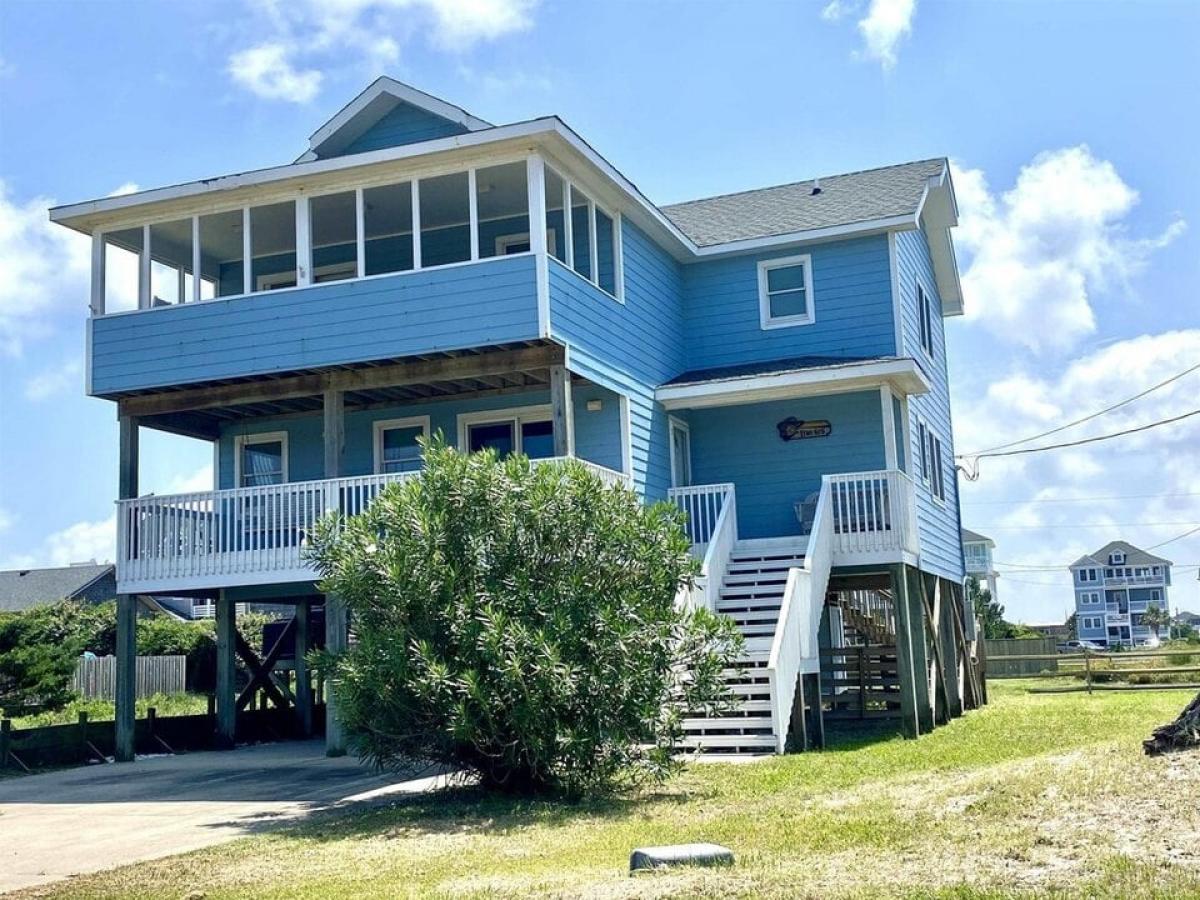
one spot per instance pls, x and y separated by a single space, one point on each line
944 601
907 673
125 695
304 692
560 411
226 623
335 642
923 680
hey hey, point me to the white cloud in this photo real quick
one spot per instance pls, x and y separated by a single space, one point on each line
267 71
44 271
6 520
129 187
80 542
308 39
54 381
885 25
835 10
199 480
1040 251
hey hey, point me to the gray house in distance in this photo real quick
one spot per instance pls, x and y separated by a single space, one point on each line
22 589
1113 589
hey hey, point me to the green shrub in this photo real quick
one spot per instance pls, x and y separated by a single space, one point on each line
38 649
519 623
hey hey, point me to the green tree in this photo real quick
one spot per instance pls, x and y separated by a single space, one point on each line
520 623
989 612
1156 618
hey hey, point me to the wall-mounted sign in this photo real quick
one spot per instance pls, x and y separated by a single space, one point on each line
793 429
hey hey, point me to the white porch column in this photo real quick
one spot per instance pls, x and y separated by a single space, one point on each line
889 428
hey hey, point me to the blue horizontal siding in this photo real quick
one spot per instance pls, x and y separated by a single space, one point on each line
597 433
938 523
406 124
741 444
852 305
343 322
629 347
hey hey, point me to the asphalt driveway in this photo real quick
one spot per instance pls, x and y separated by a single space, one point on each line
82 820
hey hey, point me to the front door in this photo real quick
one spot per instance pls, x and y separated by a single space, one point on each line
681 454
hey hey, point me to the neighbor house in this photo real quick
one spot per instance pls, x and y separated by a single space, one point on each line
22 589
1113 589
772 361
977 557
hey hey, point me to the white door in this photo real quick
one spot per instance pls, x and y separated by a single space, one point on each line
681 454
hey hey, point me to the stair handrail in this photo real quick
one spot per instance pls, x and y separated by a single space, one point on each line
794 647
707 586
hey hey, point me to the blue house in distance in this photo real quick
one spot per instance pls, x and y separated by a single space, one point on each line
772 361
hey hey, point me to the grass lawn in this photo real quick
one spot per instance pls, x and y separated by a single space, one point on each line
1035 795
103 710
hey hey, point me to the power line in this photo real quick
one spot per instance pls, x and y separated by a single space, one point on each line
1177 537
1086 525
1089 417
1076 499
1091 440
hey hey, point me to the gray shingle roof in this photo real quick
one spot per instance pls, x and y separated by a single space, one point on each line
25 588
787 208
1133 556
974 537
770 367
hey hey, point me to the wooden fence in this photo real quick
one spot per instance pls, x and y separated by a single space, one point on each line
1179 669
96 676
1020 657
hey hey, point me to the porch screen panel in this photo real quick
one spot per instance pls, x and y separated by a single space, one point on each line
445 219
555 227
333 220
387 225
221 252
606 252
273 246
170 262
502 207
581 232
122 256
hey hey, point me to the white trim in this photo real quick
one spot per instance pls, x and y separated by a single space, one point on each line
415 195
890 453
304 248
676 424
198 263
627 437
619 257
379 426
593 244
240 441
98 251
897 308
765 319
216 465
902 375
403 93
518 415
473 211
247 253
538 236
360 234
144 270
568 224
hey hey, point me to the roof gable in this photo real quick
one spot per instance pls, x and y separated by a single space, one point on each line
974 537
1133 556
389 113
24 588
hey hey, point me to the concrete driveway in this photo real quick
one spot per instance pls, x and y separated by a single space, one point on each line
82 820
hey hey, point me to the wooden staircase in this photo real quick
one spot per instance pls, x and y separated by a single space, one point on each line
751 594
862 677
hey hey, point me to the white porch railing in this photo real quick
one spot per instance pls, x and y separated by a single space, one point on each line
241 536
794 648
719 532
874 516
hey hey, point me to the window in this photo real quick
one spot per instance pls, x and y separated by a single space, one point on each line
222 251
333 224
1087 575
508 244
388 228
122 262
1116 558
170 262
1156 570
925 311
681 454
1155 596
1089 597
932 468
785 292
502 208
396 447
445 219
556 198
581 233
272 242
260 459
527 430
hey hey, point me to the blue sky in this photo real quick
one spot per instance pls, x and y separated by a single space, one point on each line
1071 127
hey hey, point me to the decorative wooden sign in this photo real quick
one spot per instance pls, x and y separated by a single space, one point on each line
793 429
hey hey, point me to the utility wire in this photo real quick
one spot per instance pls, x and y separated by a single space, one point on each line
1091 440
1086 418
1084 525
1177 537
1075 499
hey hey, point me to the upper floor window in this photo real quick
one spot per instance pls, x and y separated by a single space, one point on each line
785 295
1116 558
527 430
925 311
260 459
591 236
1088 575
396 444
932 463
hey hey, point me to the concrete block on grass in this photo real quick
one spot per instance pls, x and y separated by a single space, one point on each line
650 858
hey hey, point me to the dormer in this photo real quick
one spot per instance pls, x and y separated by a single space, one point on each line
389 114
1116 558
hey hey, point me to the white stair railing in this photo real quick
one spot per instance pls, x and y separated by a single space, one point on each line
874 514
703 504
794 648
721 536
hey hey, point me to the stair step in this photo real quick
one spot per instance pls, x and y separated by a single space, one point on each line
762 743
740 724
738 567
768 593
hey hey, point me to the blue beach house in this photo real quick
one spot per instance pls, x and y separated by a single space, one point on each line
772 361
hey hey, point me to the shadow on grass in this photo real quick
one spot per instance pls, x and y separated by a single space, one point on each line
849 736
467 809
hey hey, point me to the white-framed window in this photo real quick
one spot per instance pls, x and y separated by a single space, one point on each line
925 312
396 447
528 430
1155 596
1156 570
681 453
1089 598
1091 622
785 292
332 272
1087 575
260 459
591 244
933 469
1116 558
509 244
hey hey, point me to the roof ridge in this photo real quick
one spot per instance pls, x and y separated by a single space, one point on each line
772 187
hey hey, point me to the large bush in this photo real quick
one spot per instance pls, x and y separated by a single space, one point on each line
38 649
519 623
